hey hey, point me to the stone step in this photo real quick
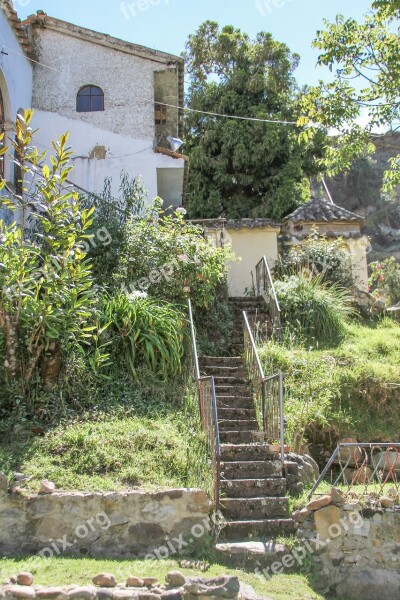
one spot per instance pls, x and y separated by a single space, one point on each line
225 371
253 488
221 360
241 437
255 469
249 555
263 529
245 298
235 402
230 380
242 509
239 389
236 413
248 452
237 425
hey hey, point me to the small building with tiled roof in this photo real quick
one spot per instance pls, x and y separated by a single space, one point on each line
322 217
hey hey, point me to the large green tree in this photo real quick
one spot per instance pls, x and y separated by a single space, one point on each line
364 92
243 168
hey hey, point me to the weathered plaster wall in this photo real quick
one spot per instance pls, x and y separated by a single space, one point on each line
357 555
125 130
249 246
15 82
109 524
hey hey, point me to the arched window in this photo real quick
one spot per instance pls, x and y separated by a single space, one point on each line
90 99
2 120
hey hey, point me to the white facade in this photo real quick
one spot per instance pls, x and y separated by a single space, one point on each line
124 135
15 81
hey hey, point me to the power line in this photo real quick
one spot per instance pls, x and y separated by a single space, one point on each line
214 114
30 59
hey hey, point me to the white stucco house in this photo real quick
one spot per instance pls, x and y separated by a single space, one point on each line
111 96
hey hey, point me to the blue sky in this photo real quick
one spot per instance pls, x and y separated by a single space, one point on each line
166 24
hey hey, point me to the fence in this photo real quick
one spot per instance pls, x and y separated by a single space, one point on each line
369 469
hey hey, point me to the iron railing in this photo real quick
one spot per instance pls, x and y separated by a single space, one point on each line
208 413
368 468
268 391
265 287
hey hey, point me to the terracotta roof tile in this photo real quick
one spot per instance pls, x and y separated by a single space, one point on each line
322 211
17 26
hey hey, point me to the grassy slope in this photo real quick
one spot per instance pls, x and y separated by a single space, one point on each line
143 440
351 389
66 571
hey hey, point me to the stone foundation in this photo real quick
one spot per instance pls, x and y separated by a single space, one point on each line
355 551
131 524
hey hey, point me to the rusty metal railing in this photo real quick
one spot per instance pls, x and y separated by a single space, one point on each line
268 391
368 469
208 413
265 287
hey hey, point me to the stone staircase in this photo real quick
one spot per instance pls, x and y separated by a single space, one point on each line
253 497
258 314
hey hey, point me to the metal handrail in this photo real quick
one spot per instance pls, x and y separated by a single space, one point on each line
361 460
208 412
268 391
265 287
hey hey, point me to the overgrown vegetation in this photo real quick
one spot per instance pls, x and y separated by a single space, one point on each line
312 308
93 369
351 389
117 435
385 280
329 259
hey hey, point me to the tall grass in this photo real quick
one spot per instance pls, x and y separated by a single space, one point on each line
145 330
312 308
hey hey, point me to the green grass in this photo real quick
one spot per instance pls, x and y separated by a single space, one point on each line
150 440
64 571
351 389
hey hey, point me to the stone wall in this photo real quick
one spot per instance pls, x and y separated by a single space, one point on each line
355 551
127 524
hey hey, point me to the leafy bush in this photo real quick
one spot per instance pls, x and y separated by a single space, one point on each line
171 258
385 279
144 330
329 259
108 231
46 287
312 308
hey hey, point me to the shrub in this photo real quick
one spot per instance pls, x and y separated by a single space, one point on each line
110 219
312 308
171 258
144 330
385 279
46 291
329 259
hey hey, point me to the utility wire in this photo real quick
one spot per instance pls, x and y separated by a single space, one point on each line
213 114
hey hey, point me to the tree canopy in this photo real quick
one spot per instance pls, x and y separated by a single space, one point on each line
365 91
243 168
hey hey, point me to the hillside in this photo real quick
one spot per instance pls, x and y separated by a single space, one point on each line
360 191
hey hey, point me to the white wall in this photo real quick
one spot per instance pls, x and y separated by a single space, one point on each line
15 82
124 131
